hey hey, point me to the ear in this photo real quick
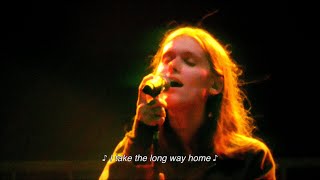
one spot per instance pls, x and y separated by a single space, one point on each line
217 85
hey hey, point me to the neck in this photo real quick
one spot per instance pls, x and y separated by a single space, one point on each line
186 122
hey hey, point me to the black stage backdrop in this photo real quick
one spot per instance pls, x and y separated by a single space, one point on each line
70 71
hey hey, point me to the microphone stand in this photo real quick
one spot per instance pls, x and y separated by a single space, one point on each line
155 140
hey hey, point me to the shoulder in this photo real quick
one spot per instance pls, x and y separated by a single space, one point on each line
261 163
257 158
244 144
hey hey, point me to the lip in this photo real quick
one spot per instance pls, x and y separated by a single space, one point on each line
174 79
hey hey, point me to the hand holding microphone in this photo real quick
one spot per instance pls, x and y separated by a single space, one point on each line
151 110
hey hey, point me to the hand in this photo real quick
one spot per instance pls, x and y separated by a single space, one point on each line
150 111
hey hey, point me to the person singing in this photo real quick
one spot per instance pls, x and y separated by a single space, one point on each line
202 113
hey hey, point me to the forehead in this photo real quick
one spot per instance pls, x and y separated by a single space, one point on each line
184 44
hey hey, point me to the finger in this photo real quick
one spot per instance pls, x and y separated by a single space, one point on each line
162 101
159 111
150 116
145 79
156 102
161 121
158 121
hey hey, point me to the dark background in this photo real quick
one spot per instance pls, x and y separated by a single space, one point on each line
70 71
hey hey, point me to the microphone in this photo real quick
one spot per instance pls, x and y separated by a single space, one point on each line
155 86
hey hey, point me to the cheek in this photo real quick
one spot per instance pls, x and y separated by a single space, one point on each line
201 79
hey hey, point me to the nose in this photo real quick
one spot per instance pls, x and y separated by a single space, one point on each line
174 66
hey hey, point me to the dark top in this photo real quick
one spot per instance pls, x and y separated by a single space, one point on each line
252 164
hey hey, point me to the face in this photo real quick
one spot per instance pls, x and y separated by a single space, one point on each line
184 62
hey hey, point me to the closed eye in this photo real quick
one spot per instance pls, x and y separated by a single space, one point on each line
189 61
188 58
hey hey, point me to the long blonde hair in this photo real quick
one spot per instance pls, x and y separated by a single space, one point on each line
234 129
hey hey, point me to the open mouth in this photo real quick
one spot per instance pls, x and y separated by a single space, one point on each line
175 84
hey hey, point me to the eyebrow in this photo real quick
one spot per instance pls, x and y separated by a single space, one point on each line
184 53
189 53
